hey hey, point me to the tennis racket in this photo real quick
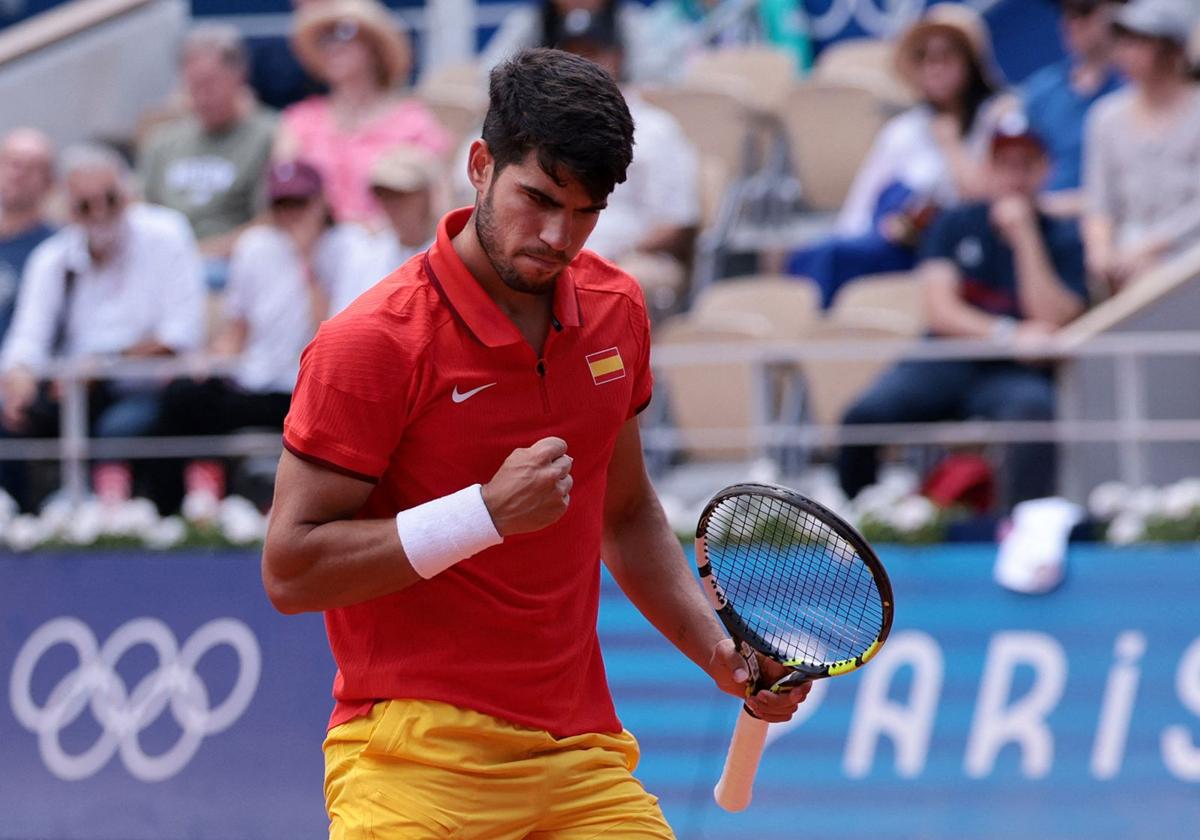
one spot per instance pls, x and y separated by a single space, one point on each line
795 582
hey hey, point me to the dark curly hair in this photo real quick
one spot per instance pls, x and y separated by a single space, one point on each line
568 111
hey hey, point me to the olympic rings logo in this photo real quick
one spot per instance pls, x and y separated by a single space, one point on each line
121 713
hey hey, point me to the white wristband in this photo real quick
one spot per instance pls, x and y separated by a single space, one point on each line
439 533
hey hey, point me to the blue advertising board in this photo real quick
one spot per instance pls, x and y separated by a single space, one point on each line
159 696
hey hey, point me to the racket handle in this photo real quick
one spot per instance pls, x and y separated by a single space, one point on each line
736 786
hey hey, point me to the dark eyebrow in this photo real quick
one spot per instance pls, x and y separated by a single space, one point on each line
538 194
552 201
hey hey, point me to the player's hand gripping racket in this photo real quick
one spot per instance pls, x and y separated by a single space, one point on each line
795 582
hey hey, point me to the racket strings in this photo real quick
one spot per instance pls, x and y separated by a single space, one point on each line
796 583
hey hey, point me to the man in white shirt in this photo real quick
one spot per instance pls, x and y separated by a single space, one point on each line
120 280
409 184
650 222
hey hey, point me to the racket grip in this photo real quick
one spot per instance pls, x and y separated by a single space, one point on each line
736 785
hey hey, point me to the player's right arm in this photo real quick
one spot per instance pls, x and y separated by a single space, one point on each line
318 557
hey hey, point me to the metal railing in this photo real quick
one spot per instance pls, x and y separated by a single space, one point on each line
74 448
1129 428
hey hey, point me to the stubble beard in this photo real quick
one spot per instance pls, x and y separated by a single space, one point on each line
485 232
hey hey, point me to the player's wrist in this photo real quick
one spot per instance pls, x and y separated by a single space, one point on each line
445 531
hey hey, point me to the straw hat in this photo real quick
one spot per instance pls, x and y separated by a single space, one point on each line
1170 20
960 22
373 23
405 169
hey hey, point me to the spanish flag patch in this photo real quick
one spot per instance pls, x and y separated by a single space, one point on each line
606 366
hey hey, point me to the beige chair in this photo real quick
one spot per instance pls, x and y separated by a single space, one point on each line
830 129
460 79
754 73
880 308
831 386
890 301
456 95
715 405
784 306
717 123
867 63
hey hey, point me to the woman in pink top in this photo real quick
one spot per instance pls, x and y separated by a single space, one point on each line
355 48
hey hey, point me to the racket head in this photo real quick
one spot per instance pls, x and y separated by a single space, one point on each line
793 580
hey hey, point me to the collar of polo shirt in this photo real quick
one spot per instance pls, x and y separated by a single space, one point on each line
469 300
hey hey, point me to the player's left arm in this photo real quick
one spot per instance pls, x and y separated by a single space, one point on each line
647 561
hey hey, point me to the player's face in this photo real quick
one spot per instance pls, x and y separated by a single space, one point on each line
1017 169
1144 59
213 88
529 225
25 172
410 213
1086 30
942 69
97 203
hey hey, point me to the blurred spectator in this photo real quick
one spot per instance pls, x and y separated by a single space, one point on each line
999 270
120 280
650 222
1194 52
676 30
1057 98
280 280
26 178
354 46
659 37
536 24
209 165
1142 177
408 183
929 157
275 73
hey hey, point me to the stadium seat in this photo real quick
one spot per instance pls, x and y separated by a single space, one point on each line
866 63
755 73
717 123
890 301
830 128
785 306
832 385
456 96
716 405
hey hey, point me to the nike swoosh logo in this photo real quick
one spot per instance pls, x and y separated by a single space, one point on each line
463 396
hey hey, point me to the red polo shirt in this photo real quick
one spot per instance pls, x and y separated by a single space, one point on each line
423 387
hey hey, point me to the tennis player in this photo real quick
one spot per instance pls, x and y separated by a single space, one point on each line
461 451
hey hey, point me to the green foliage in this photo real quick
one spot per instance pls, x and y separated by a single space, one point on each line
876 530
1163 529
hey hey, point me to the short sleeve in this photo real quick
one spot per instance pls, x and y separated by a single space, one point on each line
643 378
353 426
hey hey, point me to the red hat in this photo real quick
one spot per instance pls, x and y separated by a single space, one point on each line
293 179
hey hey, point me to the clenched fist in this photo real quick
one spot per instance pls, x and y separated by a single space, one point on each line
531 489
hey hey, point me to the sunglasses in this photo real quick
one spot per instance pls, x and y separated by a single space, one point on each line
92 205
290 203
1079 11
341 32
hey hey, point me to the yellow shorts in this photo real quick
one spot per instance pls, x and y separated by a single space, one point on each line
420 770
